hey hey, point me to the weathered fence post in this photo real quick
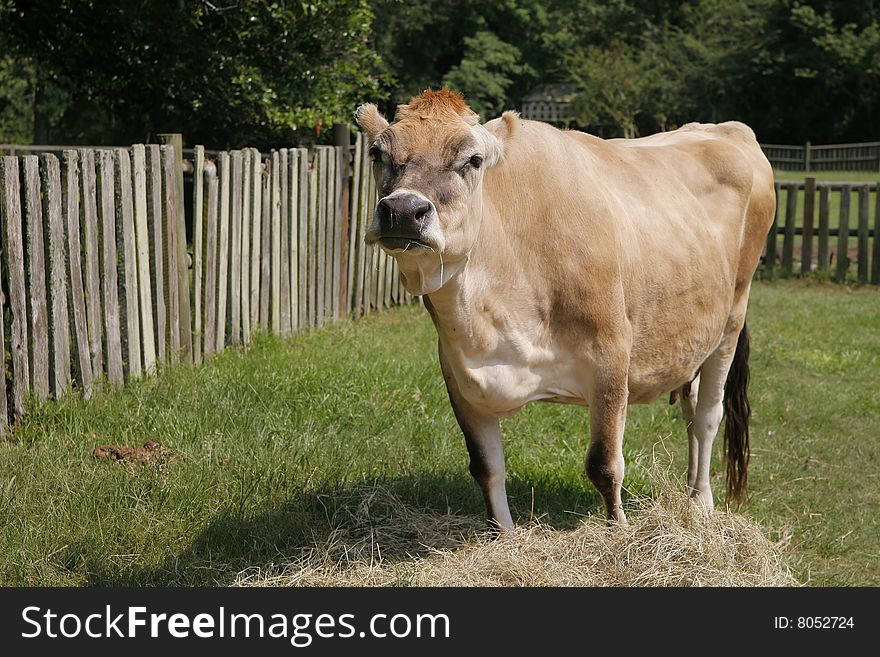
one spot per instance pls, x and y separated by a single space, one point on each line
863 234
283 278
321 232
210 337
198 248
175 140
342 140
142 242
127 265
807 239
824 211
265 253
39 347
109 256
157 251
223 252
234 281
788 236
246 219
314 211
257 226
875 257
843 235
303 236
92 259
13 248
275 293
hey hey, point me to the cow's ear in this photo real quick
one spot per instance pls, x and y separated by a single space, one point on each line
369 120
500 131
506 126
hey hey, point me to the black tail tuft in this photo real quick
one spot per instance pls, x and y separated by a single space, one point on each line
736 425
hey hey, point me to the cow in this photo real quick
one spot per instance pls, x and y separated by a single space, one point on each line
560 267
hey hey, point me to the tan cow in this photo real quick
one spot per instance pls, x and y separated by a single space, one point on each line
560 267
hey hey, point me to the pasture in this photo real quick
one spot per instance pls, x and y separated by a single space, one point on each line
267 452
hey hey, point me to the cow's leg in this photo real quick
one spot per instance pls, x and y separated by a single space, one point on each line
482 435
708 414
689 410
604 463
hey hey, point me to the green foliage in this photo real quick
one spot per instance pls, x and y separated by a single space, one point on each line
504 45
485 73
16 102
251 72
840 58
612 86
272 72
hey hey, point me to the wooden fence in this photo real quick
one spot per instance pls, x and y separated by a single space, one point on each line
829 226
100 282
830 157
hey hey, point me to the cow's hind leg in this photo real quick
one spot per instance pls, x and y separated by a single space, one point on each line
689 392
708 412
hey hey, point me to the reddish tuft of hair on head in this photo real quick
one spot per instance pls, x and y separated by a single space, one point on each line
431 103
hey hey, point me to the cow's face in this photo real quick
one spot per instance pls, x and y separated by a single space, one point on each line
429 165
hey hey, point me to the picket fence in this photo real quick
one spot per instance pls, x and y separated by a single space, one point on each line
110 270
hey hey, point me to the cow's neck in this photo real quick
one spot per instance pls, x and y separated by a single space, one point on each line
464 306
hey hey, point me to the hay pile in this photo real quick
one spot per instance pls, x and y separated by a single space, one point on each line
669 542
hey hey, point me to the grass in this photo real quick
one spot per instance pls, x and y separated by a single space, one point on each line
273 445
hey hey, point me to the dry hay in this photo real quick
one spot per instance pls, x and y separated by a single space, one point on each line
670 541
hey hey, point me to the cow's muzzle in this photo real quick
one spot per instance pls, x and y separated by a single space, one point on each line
404 221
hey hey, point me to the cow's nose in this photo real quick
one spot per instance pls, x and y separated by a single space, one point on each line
403 214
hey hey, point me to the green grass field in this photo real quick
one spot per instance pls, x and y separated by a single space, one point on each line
269 444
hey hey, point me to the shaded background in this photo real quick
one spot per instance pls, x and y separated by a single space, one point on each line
258 73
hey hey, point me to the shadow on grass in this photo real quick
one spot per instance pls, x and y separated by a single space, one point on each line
424 512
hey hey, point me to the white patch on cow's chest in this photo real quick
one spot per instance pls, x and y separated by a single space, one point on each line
511 371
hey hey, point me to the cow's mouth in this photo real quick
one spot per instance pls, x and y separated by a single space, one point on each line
403 243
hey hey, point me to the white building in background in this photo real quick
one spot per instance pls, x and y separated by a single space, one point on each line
550 103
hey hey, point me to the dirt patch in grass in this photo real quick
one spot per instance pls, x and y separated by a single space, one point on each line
670 541
152 452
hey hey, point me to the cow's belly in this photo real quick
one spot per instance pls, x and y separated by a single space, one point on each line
500 384
659 364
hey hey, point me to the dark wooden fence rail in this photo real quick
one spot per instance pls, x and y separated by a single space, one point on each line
101 284
827 226
829 157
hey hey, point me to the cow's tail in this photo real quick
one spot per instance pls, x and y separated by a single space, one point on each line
736 425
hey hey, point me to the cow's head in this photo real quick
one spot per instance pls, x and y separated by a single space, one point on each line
429 165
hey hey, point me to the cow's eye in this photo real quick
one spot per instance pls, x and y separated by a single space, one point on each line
375 153
476 161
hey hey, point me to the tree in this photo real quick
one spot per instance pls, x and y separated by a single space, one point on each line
16 102
612 86
485 73
426 43
252 72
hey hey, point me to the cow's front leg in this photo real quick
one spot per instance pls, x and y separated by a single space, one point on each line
604 463
482 434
